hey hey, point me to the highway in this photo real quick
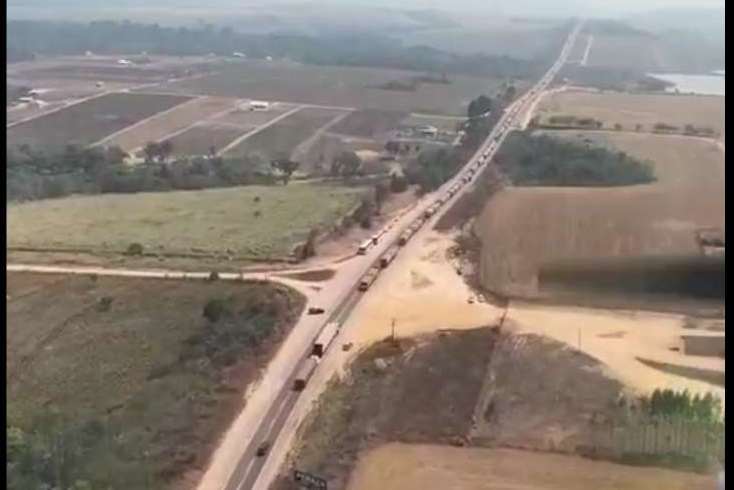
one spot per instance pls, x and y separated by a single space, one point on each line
271 405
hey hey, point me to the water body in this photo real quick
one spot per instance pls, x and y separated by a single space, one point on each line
714 84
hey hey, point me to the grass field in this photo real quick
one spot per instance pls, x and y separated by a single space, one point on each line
420 466
629 110
283 137
523 228
129 367
89 121
179 118
338 86
199 139
208 222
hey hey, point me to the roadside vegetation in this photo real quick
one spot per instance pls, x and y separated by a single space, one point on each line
541 160
137 378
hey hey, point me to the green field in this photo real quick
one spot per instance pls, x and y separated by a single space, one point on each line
129 375
253 221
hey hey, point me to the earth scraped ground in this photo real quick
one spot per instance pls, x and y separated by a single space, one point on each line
423 466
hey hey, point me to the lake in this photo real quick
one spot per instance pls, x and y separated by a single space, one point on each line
714 84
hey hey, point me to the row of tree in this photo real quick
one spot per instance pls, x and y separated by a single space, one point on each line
28 38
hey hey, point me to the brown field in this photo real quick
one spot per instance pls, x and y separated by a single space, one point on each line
419 467
199 139
179 118
523 228
368 123
247 119
89 121
336 86
129 365
284 136
630 110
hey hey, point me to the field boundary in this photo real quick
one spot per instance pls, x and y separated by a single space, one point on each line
143 121
243 137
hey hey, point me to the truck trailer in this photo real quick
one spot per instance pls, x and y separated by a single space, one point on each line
325 338
308 366
369 278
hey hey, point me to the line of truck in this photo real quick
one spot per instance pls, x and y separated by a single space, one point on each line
318 349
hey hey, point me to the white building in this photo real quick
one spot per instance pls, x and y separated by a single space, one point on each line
259 105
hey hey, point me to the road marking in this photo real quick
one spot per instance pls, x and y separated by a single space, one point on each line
585 58
247 472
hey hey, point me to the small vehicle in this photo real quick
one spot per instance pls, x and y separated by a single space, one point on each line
262 449
315 310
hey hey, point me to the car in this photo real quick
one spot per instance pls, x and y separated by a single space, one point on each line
262 449
315 310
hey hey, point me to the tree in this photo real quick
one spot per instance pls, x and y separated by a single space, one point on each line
286 167
165 149
617 127
349 163
381 192
479 106
398 183
151 150
510 92
392 147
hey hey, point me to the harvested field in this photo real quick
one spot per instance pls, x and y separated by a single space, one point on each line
368 123
199 139
253 221
318 155
179 118
630 110
89 121
114 356
283 137
336 86
525 228
418 467
247 119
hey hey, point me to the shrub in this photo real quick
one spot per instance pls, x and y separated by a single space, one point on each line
398 183
215 309
134 249
214 276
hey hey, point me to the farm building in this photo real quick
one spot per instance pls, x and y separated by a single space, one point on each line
259 105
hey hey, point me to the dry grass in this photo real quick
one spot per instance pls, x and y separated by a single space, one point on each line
525 227
416 467
209 221
89 121
179 118
629 110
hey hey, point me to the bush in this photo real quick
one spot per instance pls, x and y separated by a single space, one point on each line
134 249
215 309
214 276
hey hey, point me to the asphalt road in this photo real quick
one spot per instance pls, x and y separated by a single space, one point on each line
248 468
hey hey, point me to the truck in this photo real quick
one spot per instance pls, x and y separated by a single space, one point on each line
429 212
364 246
325 338
405 236
368 278
308 366
388 256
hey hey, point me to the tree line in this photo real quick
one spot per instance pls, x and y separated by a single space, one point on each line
543 160
26 39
